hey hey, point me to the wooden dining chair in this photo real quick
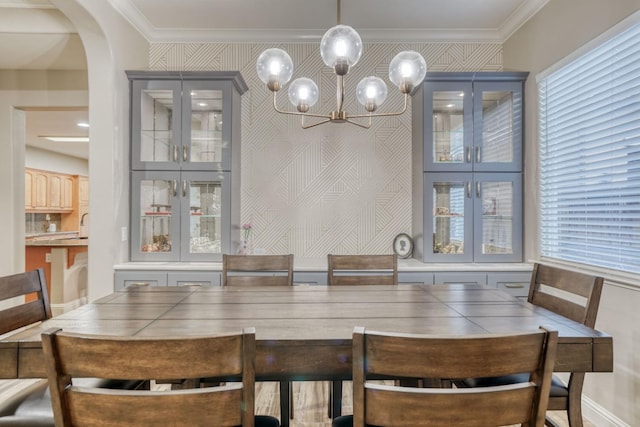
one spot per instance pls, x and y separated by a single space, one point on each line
362 270
357 270
573 295
397 356
262 270
257 270
69 356
32 404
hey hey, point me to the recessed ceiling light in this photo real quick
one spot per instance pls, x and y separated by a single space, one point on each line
83 125
66 138
450 105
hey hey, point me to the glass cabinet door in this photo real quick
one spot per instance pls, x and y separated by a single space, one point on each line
206 197
206 125
449 131
156 124
498 217
451 216
473 217
156 207
497 126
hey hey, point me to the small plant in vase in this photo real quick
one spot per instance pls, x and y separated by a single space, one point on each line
244 245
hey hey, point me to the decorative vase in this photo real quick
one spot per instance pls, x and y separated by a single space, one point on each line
244 247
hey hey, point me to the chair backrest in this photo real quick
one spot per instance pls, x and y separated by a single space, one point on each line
362 269
247 270
70 355
388 355
568 293
20 285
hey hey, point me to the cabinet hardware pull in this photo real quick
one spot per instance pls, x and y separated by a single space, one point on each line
468 189
175 153
478 189
514 285
175 187
185 157
468 155
139 284
184 188
477 154
190 284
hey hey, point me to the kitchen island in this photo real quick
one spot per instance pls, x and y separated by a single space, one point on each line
64 261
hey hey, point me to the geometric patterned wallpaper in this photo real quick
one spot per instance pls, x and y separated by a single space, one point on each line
335 188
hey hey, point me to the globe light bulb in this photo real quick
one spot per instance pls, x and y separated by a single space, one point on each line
275 68
407 70
341 48
303 94
371 92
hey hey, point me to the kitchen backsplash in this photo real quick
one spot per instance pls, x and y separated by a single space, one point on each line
37 223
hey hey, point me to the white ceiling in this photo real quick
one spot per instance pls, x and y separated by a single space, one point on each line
34 35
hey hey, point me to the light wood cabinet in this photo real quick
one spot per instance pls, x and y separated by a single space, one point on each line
28 190
55 191
79 202
67 192
40 190
48 191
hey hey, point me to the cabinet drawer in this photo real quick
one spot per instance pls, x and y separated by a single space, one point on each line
125 279
450 278
193 278
415 278
514 283
516 289
306 278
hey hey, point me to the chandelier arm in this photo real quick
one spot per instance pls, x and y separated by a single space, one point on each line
297 113
359 124
396 113
314 124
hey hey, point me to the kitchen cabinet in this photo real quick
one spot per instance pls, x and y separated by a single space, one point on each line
48 191
467 150
180 215
185 164
473 217
130 278
514 283
77 194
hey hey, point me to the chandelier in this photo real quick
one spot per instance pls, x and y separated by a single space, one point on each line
340 48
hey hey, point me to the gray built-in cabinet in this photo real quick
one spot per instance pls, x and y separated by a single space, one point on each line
468 164
185 164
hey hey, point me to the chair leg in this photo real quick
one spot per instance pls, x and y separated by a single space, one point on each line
291 404
285 399
336 399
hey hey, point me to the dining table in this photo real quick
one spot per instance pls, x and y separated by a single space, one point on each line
304 332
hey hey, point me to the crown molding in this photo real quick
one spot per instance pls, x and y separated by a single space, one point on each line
242 35
27 4
519 17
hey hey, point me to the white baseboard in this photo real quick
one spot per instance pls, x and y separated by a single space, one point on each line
57 309
599 416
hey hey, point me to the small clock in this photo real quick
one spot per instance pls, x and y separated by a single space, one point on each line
403 245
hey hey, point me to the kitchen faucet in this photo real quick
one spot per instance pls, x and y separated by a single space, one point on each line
82 218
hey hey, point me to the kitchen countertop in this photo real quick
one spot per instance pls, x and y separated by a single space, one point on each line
320 264
58 242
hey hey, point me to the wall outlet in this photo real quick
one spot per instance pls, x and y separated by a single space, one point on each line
124 234
259 251
47 257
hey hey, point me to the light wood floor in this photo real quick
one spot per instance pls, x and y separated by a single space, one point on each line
310 401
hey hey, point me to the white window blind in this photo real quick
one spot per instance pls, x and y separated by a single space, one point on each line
590 157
